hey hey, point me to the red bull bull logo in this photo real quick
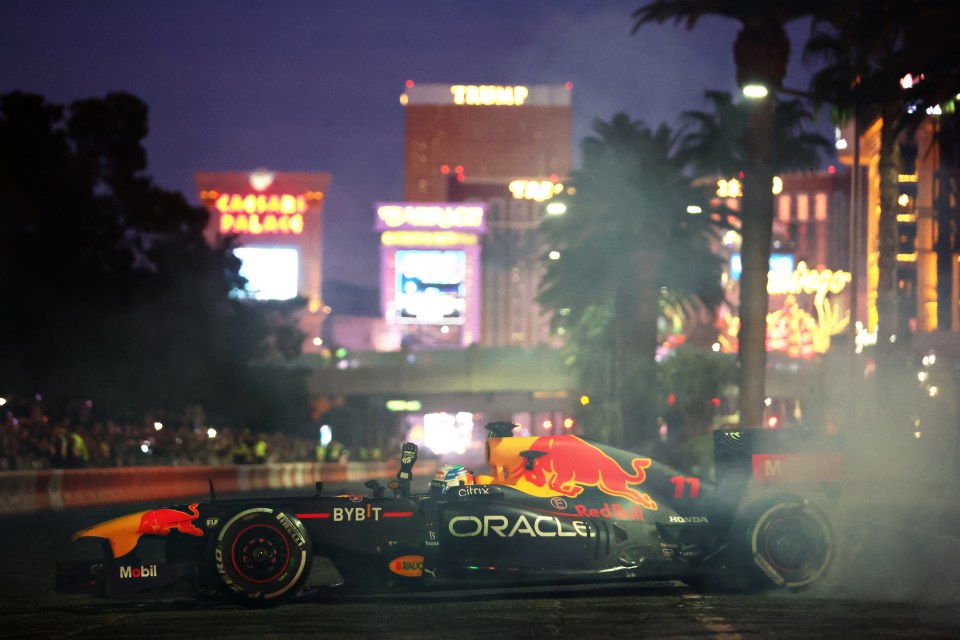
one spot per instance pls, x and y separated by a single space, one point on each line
568 464
160 522
124 533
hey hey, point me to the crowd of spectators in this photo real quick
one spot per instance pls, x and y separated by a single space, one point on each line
32 443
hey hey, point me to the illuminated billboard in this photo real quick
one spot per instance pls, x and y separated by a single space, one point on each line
460 216
272 273
430 271
805 318
275 220
487 95
431 287
780 263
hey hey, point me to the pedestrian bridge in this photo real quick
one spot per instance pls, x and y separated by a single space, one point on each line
472 379
490 380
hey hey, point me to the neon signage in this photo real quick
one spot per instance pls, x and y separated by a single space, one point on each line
431 215
237 203
538 190
488 95
732 188
255 224
404 405
261 214
804 280
791 329
427 239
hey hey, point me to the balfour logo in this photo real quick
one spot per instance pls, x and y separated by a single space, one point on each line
356 514
409 566
139 572
610 511
539 527
689 519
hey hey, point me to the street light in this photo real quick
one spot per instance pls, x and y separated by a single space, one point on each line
755 91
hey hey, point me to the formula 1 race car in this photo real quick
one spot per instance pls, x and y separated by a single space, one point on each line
552 509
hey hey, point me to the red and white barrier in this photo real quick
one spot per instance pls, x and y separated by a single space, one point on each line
28 491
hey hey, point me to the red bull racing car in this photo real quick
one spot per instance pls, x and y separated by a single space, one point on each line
551 509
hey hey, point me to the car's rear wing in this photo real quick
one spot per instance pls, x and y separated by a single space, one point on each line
778 457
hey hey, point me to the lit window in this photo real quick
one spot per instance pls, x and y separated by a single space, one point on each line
820 206
783 208
803 207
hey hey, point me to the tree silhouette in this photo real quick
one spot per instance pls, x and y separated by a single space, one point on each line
761 52
626 236
109 291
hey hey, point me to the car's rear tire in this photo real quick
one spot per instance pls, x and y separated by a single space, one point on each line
262 555
784 542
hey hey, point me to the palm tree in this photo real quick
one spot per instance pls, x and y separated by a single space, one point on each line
869 47
713 140
761 52
626 235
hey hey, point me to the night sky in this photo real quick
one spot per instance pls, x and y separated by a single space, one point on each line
315 85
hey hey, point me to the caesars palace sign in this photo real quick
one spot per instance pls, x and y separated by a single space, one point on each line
257 214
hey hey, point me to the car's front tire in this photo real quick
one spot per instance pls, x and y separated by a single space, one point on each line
262 555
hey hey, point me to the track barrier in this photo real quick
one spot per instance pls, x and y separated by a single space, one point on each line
29 491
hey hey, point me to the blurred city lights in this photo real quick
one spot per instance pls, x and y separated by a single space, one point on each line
158 426
211 433
448 433
755 91
556 208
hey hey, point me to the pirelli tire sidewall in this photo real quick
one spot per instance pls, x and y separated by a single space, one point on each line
262 555
784 541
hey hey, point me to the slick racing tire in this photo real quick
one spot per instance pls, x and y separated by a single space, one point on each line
262 556
783 542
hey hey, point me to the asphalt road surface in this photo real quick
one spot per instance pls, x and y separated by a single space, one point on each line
899 579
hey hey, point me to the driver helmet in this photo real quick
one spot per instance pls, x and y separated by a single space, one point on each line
452 475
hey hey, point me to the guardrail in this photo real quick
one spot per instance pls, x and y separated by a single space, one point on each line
29 491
